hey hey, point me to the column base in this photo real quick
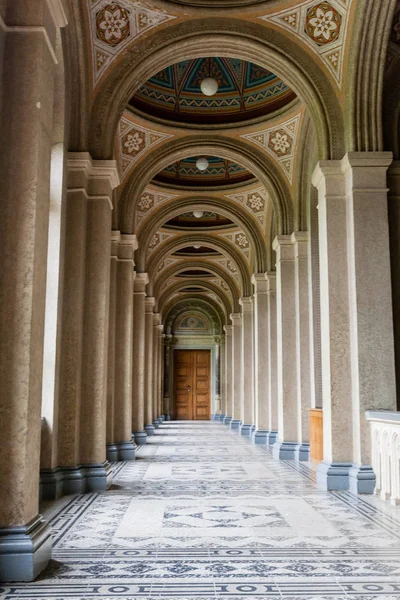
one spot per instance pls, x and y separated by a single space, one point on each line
362 479
162 418
303 452
111 452
97 476
260 436
214 417
221 417
227 421
246 430
25 550
285 450
126 450
73 480
140 437
168 417
51 484
333 476
149 429
272 438
156 424
235 424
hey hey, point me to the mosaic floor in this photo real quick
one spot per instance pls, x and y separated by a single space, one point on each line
204 514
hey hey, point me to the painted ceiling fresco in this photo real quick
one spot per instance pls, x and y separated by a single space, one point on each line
245 91
219 172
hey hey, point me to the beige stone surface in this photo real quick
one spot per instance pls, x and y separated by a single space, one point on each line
247 362
149 360
138 357
272 342
261 357
236 319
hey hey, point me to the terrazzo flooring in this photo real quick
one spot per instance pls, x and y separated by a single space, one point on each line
205 514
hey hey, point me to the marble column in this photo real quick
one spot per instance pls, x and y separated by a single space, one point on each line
25 125
162 366
138 358
222 380
111 448
167 362
394 232
261 359
124 347
356 313
228 374
102 179
236 319
217 408
247 362
160 328
272 342
149 360
288 413
156 323
303 372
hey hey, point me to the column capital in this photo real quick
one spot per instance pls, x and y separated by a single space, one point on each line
325 169
149 304
160 327
236 318
96 177
260 282
228 329
115 237
300 242
246 303
156 319
141 280
127 245
283 247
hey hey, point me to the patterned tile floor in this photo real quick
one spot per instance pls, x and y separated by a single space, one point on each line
204 514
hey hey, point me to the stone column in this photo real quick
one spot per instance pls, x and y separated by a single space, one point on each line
236 319
156 322
149 359
217 414
167 362
222 379
228 374
288 413
138 358
394 232
356 313
25 125
102 179
162 366
303 372
272 342
247 361
261 359
123 348
111 448
159 372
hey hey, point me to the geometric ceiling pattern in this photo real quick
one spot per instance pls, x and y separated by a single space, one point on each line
245 91
280 141
149 200
218 172
133 141
255 201
114 25
322 26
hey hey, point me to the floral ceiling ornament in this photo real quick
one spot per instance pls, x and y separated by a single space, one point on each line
256 202
135 140
280 142
149 200
114 25
322 26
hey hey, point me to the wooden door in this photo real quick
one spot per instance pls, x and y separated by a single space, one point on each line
192 385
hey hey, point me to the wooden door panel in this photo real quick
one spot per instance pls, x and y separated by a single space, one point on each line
192 384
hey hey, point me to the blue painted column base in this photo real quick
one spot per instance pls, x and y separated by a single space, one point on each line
235 424
246 430
149 429
51 484
97 476
140 437
168 417
284 450
303 452
112 452
260 436
333 476
272 438
213 417
221 417
64 481
227 421
25 550
362 479
156 424
126 450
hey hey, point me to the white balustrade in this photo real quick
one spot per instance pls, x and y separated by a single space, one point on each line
385 437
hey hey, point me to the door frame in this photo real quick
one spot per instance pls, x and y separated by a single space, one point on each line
188 345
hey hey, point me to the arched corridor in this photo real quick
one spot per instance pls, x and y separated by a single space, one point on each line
199 298
203 513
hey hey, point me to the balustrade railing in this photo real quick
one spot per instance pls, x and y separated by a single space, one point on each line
385 436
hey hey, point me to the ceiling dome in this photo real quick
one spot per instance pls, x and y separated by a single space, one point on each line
207 220
218 173
245 91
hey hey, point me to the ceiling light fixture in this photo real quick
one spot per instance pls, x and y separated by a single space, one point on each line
196 247
202 164
198 213
209 85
